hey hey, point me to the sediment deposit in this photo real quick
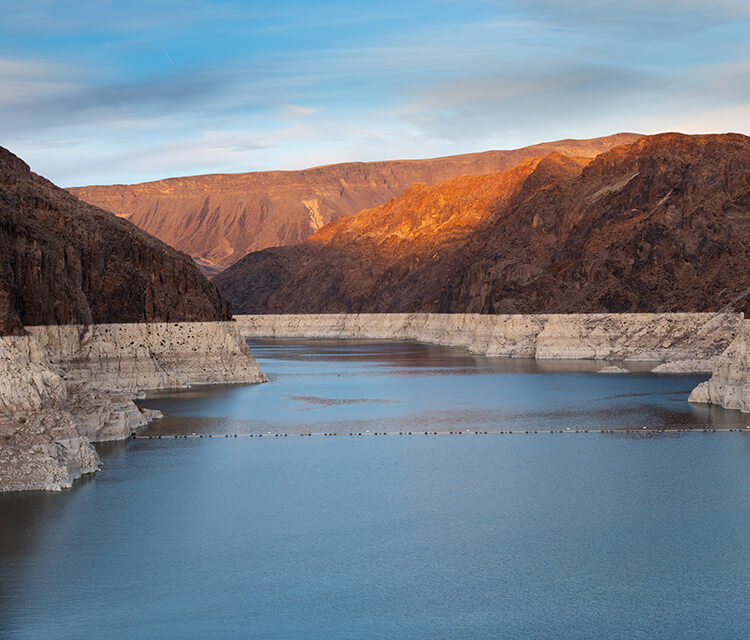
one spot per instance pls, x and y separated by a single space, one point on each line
729 386
689 342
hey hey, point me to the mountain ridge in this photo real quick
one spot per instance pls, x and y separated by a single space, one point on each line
217 218
660 224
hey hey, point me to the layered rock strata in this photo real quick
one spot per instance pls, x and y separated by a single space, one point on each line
729 386
688 342
64 387
41 446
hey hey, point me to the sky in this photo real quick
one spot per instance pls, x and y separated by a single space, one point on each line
103 91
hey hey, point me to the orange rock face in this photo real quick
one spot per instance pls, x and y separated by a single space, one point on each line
219 218
661 224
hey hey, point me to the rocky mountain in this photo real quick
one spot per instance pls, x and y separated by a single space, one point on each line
152 321
63 261
219 218
660 224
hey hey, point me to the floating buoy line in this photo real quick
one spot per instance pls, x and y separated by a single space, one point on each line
567 430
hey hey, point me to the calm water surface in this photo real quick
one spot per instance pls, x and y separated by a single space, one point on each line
446 536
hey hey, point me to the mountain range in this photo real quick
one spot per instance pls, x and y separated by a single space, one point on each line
661 223
217 219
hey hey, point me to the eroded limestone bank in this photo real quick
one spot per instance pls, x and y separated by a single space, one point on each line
682 342
63 387
729 386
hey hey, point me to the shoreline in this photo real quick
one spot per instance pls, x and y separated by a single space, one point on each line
676 342
63 387
66 386
713 343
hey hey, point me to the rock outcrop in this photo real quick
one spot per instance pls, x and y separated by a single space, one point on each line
63 261
729 386
136 357
40 444
219 218
658 225
93 311
689 341
63 387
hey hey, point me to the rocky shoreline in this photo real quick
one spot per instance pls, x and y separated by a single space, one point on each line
675 342
63 387
729 385
714 343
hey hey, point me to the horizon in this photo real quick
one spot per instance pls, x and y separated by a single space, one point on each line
115 92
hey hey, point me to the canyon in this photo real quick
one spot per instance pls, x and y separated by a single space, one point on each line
624 248
218 218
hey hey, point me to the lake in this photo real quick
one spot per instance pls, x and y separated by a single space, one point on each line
632 533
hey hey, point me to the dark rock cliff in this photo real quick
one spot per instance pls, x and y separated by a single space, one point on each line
64 261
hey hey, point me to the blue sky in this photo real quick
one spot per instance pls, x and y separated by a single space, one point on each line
107 91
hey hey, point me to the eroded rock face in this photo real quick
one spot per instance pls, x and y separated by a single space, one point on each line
132 358
219 218
689 342
659 225
40 445
66 381
63 261
63 387
729 386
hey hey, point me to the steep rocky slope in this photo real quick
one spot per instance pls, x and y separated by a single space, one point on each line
219 218
661 224
114 311
64 261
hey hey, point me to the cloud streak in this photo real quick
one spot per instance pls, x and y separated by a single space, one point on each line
89 93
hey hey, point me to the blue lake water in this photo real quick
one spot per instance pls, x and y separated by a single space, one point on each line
616 535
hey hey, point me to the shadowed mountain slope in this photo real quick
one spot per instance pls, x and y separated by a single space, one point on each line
219 218
661 224
64 261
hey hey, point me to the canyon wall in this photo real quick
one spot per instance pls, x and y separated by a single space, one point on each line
729 386
93 311
219 218
63 387
683 342
659 225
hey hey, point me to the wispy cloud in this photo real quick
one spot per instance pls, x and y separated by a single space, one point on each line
108 91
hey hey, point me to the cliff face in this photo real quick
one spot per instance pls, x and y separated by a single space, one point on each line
662 224
729 385
219 218
63 261
63 387
686 341
66 381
